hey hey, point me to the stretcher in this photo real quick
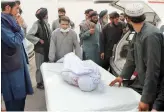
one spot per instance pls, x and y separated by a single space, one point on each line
61 96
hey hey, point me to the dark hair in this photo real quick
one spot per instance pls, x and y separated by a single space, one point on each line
87 11
114 15
20 11
138 19
4 4
64 18
61 10
122 14
18 2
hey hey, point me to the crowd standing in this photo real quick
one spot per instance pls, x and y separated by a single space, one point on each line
98 37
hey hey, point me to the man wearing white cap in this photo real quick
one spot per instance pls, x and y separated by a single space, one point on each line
146 56
16 83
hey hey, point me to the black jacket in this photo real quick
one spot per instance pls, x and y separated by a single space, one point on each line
110 35
146 56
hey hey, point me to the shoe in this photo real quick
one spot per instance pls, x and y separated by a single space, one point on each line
40 86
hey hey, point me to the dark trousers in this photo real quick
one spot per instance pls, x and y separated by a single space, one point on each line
84 57
159 105
105 63
159 102
15 105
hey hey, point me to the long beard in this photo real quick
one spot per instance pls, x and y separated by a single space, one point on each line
130 27
94 21
45 20
105 22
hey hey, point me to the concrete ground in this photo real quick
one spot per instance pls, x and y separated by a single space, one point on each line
35 102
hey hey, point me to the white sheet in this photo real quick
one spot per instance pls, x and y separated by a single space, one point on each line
63 97
83 74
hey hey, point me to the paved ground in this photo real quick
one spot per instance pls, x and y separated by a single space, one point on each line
35 102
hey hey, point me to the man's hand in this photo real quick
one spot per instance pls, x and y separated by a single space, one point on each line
19 20
118 79
143 106
102 56
92 31
41 41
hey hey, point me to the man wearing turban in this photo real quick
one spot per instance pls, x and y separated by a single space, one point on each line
39 35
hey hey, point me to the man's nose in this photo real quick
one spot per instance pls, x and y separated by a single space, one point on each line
65 26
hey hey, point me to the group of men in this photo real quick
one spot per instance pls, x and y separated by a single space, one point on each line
97 38
52 45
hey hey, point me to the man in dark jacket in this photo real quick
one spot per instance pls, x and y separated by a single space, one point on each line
145 55
15 78
40 35
111 34
159 101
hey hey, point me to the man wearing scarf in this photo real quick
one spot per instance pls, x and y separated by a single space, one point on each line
56 24
63 41
90 38
16 83
111 34
39 35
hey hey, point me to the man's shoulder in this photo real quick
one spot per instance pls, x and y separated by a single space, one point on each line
72 32
82 23
107 26
56 31
151 29
85 25
56 20
37 22
151 32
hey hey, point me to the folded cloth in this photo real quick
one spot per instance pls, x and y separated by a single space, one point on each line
84 74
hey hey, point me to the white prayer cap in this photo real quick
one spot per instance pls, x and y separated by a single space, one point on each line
134 9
